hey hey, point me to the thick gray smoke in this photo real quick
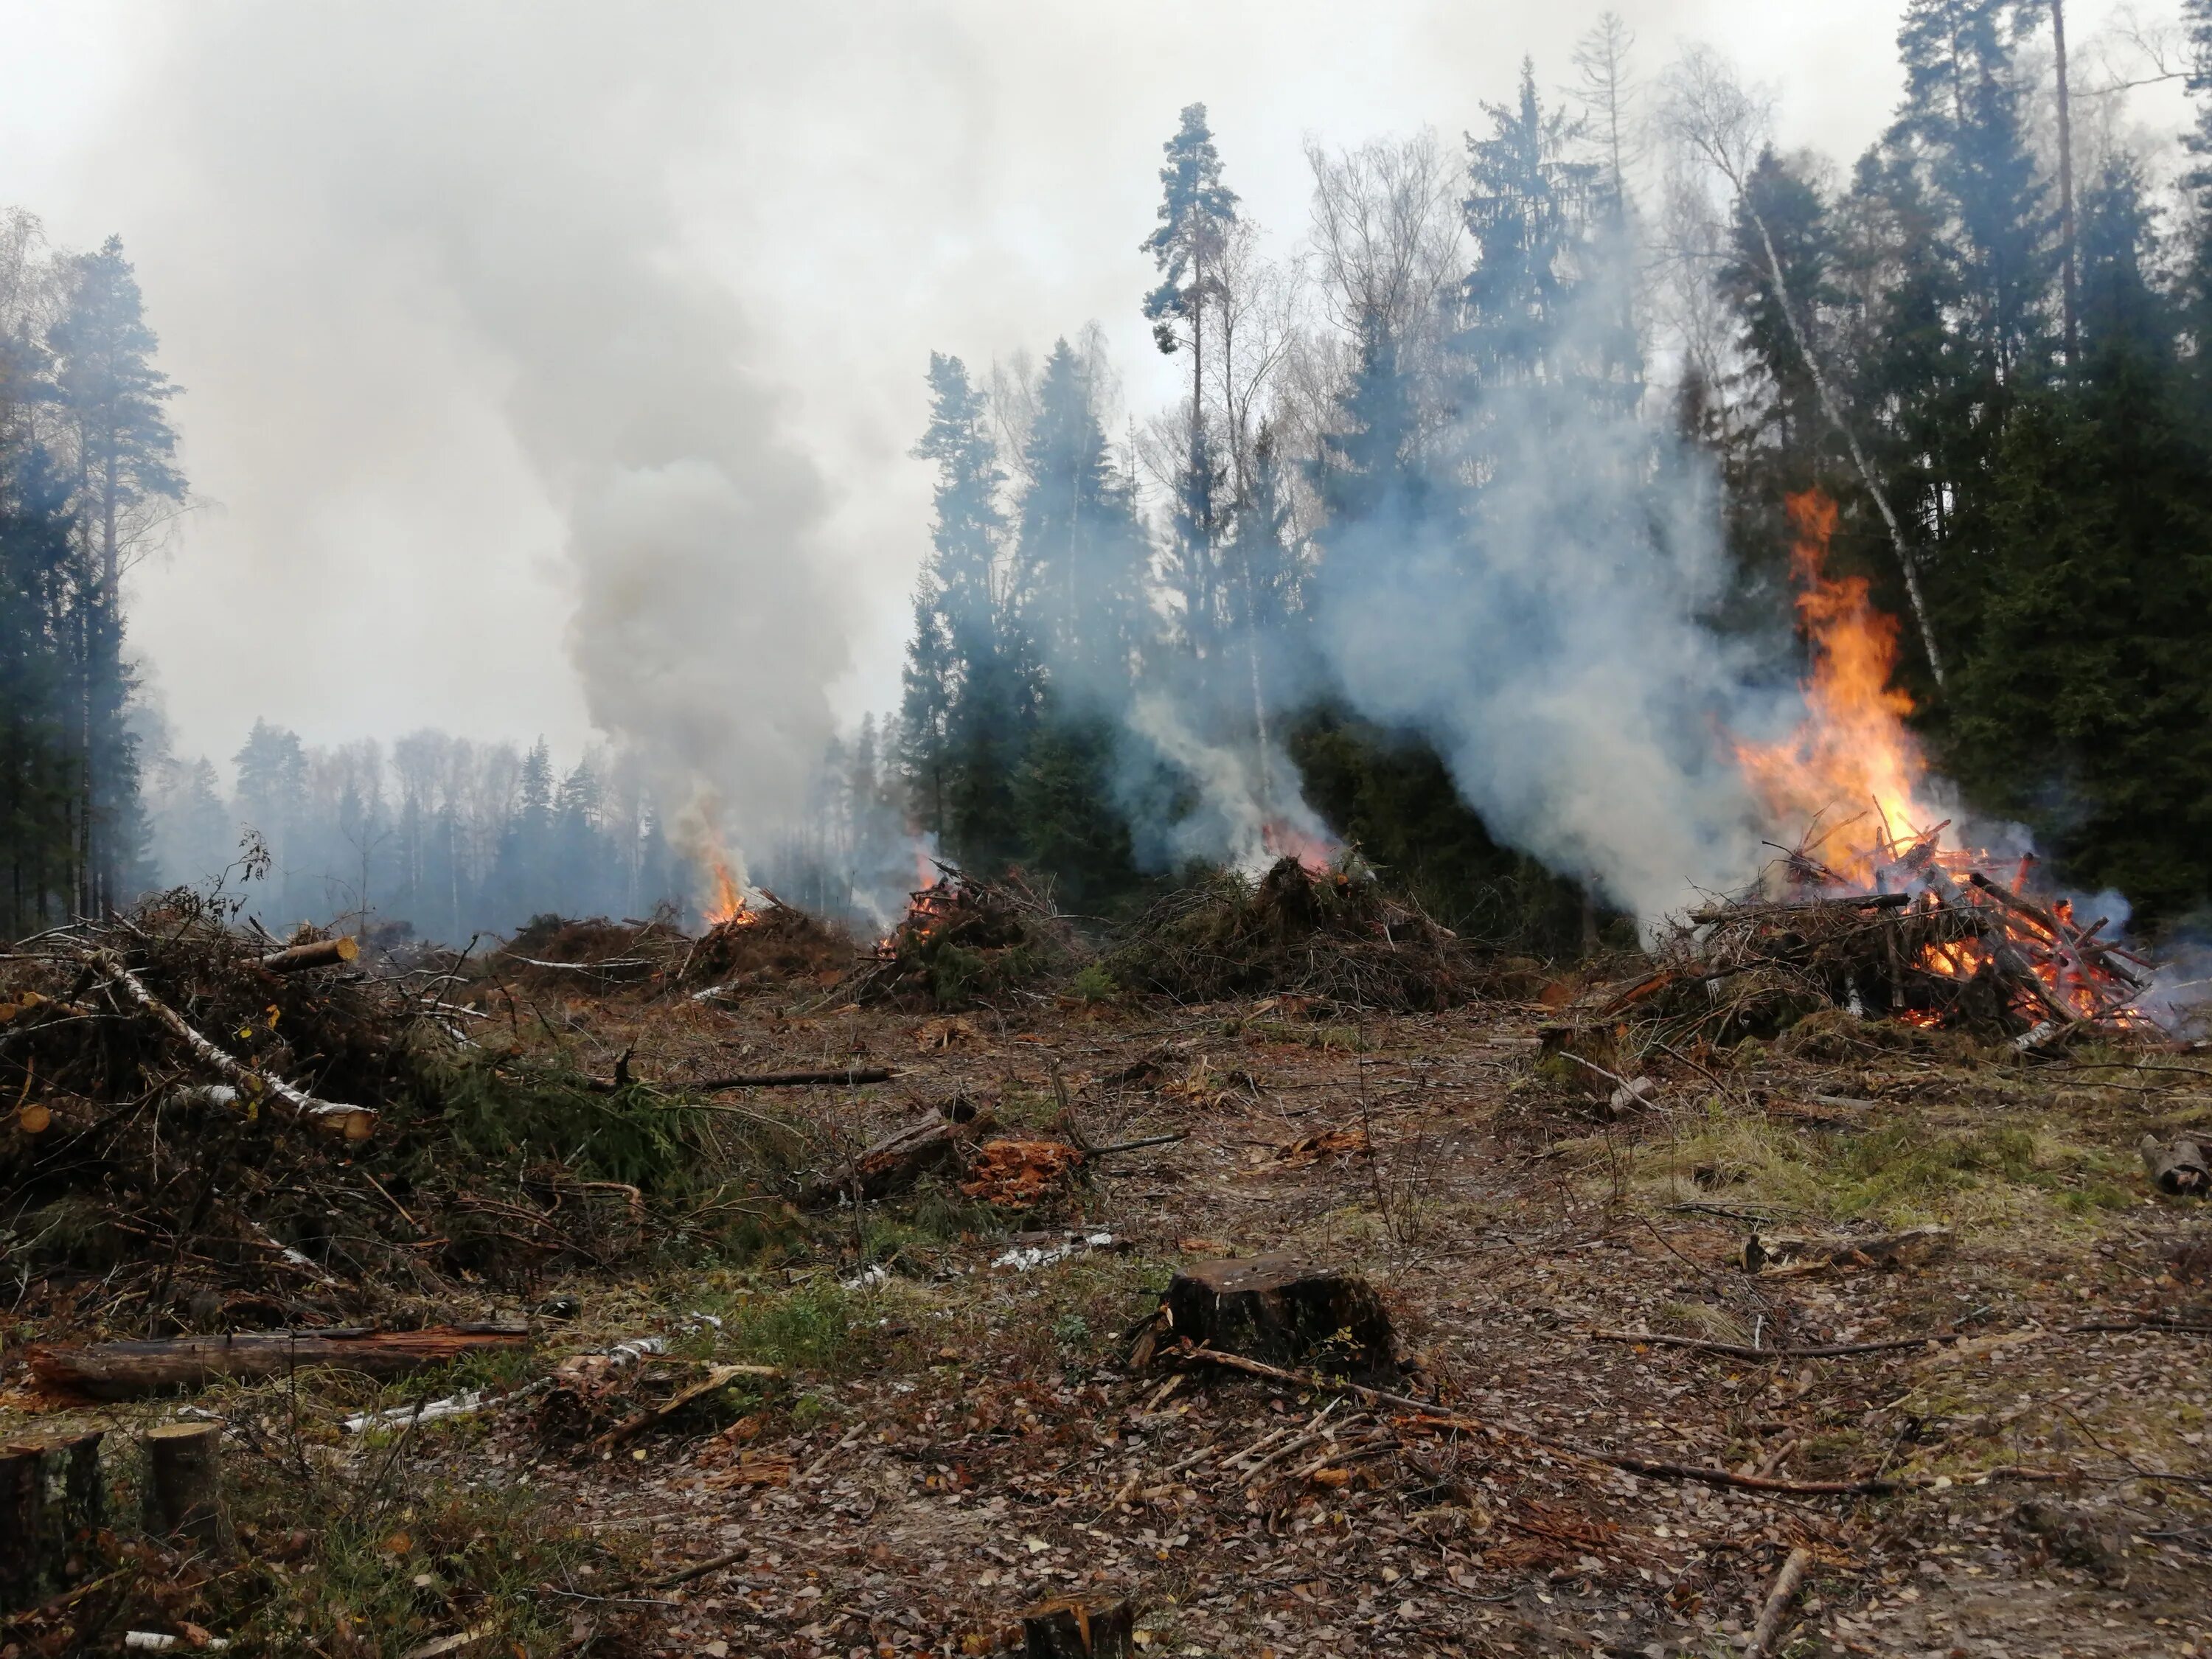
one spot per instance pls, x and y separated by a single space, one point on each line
491 189
1551 648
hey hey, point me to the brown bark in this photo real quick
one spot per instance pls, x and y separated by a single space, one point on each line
22 1524
184 1483
1079 1627
1279 1308
898 1160
1776 1614
123 1371
316 953
835 1076
2177 1168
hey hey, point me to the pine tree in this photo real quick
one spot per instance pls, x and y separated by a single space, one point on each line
1189 247
40 785
112 396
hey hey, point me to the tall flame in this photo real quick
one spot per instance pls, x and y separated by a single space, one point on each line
728 904
1853 754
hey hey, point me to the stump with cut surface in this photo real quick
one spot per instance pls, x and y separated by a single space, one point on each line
1281 1309
184 1483
2178 1168
1080 1627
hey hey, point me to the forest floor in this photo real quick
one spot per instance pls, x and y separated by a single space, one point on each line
959 1433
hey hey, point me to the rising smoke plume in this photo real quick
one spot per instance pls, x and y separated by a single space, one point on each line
489 191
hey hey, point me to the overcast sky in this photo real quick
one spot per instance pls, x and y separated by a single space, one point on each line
344 218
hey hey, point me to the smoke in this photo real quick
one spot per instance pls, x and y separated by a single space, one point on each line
477 211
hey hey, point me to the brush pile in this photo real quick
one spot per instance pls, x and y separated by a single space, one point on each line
1940 942
771 944
558 954
965 940
208 1129
1333 934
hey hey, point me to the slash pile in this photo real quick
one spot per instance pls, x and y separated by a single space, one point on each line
1941 941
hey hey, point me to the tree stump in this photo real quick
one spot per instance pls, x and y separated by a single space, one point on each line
1080 1627
184 1482
1281 1309
22 1526
52 1500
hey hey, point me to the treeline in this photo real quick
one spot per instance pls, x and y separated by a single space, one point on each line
438 837
1989 338
86 484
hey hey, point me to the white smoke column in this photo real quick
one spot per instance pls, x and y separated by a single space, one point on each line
1555 653
1240 806
485 196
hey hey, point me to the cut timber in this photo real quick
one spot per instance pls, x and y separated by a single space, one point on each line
902 1157
2177 1167
316 953
1776 1613
353 1122
1281 1309
1080 1627
184 1482
123 1371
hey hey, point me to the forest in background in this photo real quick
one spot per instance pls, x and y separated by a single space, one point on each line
1617 312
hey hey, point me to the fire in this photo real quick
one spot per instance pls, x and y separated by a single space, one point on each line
1854 771
728 905
1315 855
1852 751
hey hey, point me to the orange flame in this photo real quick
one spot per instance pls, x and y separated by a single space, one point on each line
1315 855
728 904
1852 751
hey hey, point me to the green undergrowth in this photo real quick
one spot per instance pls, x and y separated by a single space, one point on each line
1902 1170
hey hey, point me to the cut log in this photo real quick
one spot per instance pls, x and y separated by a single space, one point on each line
1080 1627
353 1122
316 953
184 1483
902 1157
2177 1168
124 1370
1281 1309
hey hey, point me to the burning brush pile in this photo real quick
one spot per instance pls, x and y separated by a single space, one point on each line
1879 910
1306 927
749 947
965 940
208 1129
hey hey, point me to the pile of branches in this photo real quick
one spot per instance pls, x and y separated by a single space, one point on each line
556 953
212 1128
770 944
1952 952
1334 935
965 940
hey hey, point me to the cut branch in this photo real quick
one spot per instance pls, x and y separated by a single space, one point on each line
353 1122
316 953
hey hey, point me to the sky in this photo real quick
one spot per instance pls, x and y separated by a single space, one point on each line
551 368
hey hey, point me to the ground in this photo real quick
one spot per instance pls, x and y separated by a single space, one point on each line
960 1432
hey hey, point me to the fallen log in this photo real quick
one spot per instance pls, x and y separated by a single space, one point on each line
353 1122
901 1158
1744 1351
838 1077
315 953
124 1370
2176 1168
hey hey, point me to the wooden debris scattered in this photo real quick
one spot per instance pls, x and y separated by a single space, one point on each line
901 1158
1786 1255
